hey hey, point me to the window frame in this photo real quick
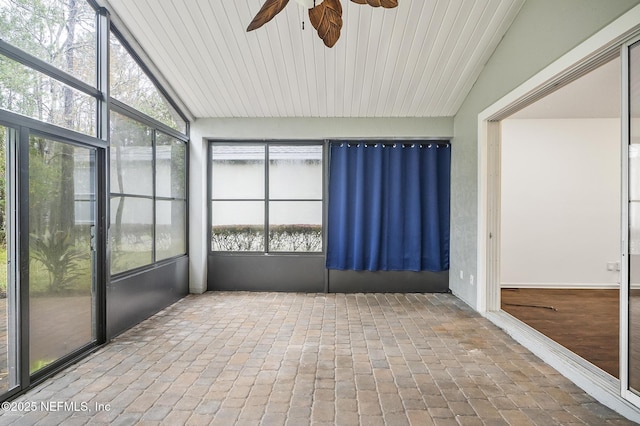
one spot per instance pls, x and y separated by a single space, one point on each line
113 31
33 60
156 127
266 199
114 105
21 127
184 198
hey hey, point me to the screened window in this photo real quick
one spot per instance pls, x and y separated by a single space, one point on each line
131 194
171 196
148 167
59 32
132 86
54 107
148 195
28 92
266 198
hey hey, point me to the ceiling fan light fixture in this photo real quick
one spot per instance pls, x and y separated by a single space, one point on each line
308 4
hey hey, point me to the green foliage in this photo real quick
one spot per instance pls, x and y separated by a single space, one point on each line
39 364
295 238
3 193
51 187
59 256
126 260
3 271
238 238
282 238
62 33
52 30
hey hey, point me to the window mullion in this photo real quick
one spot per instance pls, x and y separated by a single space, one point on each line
47 69
266 199
154 192
102 73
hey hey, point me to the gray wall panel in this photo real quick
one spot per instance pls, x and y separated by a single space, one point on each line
136 297
266 273
388 282
307 274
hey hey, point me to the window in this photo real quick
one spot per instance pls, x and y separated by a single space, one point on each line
148 166
266 197
59 32
133 87
53 199
60 37
171 196
148 214
131 194
27 92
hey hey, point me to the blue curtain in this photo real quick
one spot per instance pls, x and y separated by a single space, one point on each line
389 206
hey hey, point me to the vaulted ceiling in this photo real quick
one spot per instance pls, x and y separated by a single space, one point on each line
417 60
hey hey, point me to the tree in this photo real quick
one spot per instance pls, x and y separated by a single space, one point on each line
62 33
131 85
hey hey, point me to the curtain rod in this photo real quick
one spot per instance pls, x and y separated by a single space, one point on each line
395 144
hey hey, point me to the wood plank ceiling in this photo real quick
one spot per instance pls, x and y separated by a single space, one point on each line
417 60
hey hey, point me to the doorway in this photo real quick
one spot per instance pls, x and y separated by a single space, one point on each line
52 279
560 216
615 392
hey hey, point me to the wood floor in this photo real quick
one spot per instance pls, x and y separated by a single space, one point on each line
587 322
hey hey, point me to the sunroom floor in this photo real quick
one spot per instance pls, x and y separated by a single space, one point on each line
323 359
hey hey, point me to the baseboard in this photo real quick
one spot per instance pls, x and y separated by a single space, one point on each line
388 282
603 387
564 286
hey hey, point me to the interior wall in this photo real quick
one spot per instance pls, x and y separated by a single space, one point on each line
205 129
560 206
542 32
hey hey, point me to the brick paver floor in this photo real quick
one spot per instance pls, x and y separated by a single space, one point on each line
322 359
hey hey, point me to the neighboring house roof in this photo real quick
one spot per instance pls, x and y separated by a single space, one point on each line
245 152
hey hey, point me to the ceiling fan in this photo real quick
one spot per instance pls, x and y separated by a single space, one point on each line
325 16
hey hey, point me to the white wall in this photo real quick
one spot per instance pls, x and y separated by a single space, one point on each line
560 212
543 31
205 129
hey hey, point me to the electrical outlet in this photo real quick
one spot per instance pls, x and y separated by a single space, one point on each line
471 279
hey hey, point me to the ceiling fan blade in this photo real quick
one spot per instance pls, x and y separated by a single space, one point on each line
387 4
326 18
269 9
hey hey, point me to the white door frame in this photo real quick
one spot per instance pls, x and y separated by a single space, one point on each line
593 52
624 277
